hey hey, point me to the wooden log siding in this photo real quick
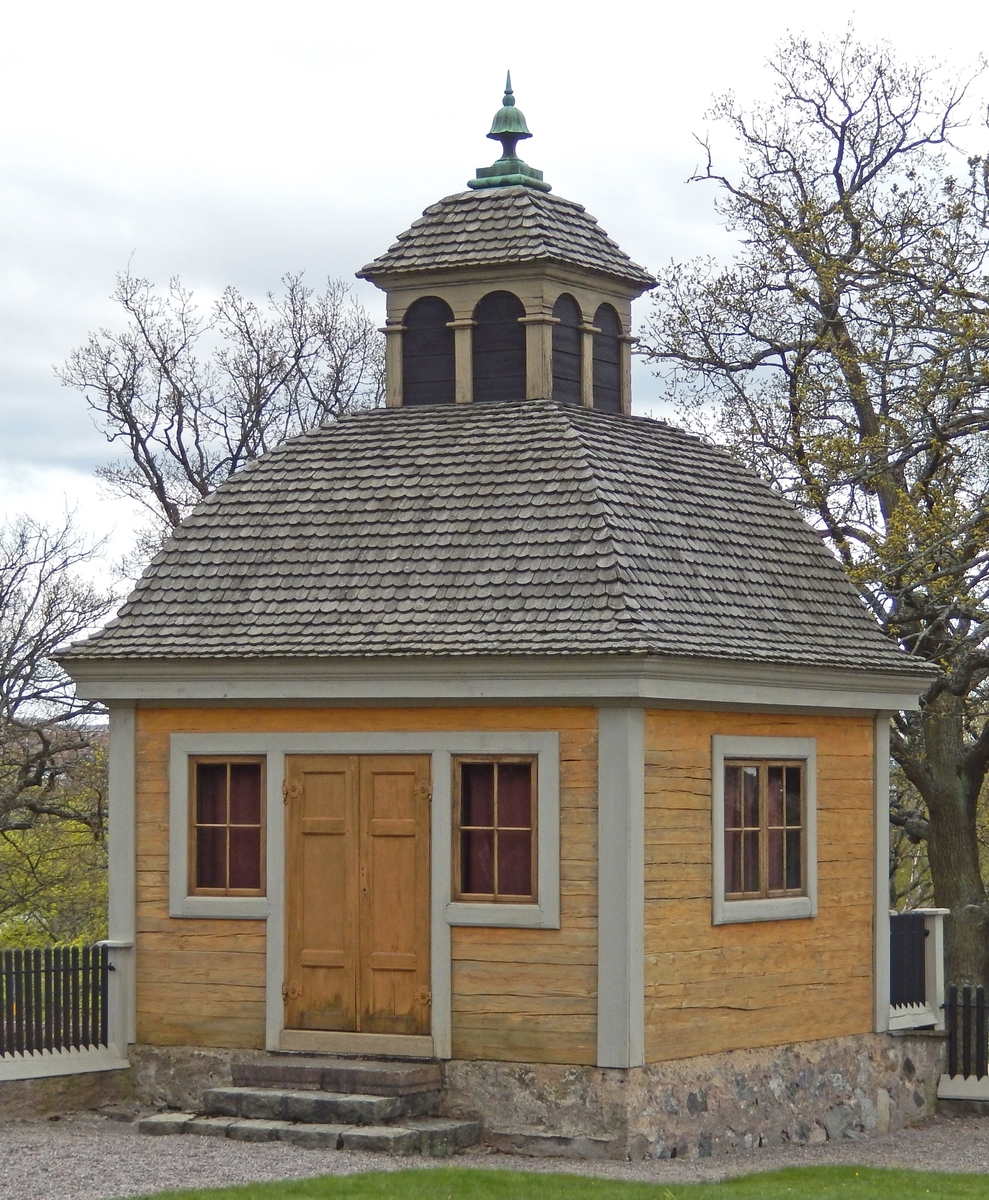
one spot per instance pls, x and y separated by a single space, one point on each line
518 994
715 988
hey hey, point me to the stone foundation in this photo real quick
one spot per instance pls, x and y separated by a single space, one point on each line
690 1108
53 1095
705 1106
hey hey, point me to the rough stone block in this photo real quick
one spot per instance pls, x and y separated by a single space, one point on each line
385 1139
257 1131
222 1102
420 1104
440 1137
262 1104
315 1137
336 1109
209 1126
167 1122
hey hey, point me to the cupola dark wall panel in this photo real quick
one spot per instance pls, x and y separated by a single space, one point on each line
567 351
608 360
428 371
499 348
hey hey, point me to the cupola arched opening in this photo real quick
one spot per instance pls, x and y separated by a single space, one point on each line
499 348
428 372
567 353
608 360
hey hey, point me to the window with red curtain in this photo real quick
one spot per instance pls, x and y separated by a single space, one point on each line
495 830
227 850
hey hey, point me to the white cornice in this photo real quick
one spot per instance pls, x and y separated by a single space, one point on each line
582 678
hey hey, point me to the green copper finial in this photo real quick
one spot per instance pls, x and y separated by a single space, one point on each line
509 128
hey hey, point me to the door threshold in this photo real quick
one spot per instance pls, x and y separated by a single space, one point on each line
390 1045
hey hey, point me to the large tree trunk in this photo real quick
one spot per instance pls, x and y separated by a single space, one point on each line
952 844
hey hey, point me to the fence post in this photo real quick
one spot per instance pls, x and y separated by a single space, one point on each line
119 989
934 947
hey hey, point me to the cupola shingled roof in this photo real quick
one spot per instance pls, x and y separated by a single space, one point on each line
506 225
520 528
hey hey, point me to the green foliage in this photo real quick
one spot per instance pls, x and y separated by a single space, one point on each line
844 354
452 1183
53 874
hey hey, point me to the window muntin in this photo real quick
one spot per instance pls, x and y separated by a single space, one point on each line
226 844
764 829
494 836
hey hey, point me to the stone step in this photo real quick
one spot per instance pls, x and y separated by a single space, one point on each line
312 1107
367 1077
435 1137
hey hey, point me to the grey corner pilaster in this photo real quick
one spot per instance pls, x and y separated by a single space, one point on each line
881 905
122 915
621 904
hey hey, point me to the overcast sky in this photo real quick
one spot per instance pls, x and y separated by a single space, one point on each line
228 143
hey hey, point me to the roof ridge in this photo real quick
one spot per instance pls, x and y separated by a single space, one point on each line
573 434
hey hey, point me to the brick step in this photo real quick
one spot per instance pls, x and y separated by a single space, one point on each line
434 1137
366 1077
312 1107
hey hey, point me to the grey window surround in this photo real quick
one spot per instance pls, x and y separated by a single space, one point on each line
781 908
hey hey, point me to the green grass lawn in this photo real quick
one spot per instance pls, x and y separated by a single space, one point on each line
455 1183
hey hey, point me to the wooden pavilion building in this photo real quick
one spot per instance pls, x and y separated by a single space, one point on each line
505 729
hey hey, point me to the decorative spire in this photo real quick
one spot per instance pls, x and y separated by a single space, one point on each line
509 128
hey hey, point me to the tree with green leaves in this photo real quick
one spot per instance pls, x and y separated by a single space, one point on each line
844 354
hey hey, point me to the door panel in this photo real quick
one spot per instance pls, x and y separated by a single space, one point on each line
394 930
321 827
357 893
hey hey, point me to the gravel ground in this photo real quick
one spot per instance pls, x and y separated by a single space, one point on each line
93 1158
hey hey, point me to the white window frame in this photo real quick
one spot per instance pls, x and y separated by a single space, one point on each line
775 908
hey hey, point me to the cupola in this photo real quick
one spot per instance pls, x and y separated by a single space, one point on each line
508 292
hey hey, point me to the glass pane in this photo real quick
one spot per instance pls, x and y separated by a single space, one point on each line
793 871
793 790
775 864
750 862
733 862
733 797
211 793
211 857
774 789
477 794
245 857
750 795
514 795
515 863
245 797
477 862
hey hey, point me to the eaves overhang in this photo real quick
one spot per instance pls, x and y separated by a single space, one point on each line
594 679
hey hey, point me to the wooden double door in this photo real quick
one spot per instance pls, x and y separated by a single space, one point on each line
357 893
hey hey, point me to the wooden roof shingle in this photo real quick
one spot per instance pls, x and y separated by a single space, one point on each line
518 528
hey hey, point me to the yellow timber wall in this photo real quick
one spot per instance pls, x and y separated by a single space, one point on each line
715 988
518 994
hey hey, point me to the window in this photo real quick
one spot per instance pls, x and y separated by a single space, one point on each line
765 828
427 353
567 351
608 360
499 348
226 849
495 830
764 803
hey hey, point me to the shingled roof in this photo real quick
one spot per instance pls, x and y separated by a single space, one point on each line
506 225
528 528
